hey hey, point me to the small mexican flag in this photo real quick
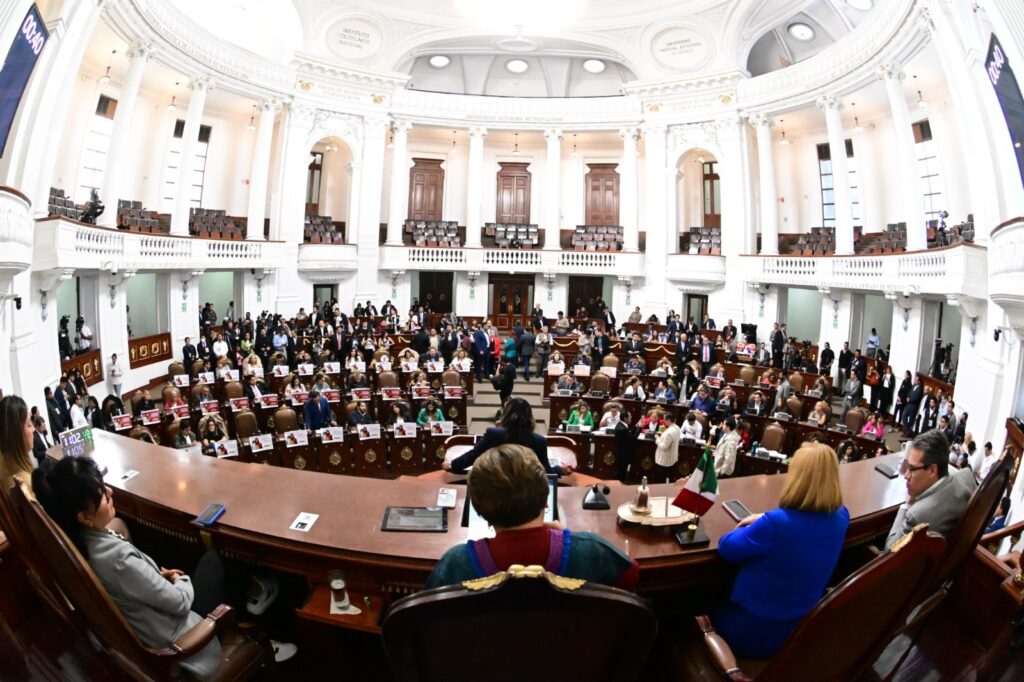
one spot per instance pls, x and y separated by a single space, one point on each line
701 490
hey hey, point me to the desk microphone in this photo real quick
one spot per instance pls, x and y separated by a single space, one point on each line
596 499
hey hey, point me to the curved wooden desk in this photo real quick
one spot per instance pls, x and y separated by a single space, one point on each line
262 501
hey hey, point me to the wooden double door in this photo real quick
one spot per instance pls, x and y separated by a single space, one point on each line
602 195
513 205
426 189
511 299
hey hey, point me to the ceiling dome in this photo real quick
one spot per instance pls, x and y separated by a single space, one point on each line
804 34
268 28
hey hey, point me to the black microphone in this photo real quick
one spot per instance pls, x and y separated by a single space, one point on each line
595 498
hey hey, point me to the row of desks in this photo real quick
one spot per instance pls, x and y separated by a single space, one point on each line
172 487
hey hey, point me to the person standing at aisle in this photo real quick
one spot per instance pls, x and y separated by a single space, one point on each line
115 373
527 346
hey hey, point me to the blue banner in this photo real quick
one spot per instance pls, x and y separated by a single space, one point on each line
17 69
1009 95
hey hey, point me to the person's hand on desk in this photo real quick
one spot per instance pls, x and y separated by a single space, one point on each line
566 469
171 574
446 465
749 520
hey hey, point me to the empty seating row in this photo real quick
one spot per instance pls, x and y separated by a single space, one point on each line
444 225
60 205
133 217
215 224
321 229
702 241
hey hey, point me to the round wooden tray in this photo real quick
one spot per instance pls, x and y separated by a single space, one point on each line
627 514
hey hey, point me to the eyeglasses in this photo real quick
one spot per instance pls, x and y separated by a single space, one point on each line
908 469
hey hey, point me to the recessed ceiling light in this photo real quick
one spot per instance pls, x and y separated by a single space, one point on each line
439 61
516 66
801 31
862 5
594 66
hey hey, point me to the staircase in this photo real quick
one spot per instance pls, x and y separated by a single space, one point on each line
480 414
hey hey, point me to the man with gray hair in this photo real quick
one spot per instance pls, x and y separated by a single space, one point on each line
934 496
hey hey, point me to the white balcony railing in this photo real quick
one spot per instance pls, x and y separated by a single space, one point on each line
960 269
1006 268
328 258
511 260
16 229
62 243
695 273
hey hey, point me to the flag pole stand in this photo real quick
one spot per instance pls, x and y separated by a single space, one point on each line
692 534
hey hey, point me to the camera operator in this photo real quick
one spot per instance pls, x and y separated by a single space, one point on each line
64 339
83 335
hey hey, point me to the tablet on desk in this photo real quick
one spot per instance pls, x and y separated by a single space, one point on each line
416 519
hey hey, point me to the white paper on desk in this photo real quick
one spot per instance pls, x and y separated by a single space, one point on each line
350 610
304 522
124 477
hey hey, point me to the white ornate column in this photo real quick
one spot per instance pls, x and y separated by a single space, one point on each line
766 175
260 175
112 188
398 199
369 278
833 107
552 190
661 229
473 187
189 139
908 180
628 191
355 174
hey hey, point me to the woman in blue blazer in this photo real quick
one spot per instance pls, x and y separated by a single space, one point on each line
785 556
515 426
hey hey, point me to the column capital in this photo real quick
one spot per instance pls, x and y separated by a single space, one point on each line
141 50
630 133
553 134
760 121
203 83
267 105
354 166
654 129
891 71
477 132
401 126
829 103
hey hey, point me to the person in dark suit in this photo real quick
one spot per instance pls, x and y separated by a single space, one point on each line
449 344
361 415
886 388
692 328
635 346
317 412
682 350
188 353
859 366
728 333
609 320
707 322
602 346
41 440
481 352
826 357
515 426
706 355
526 347
912 405
763 358
203 349
338 345
53 412
145 404
778 341
671 326
254 389
772 549
420 342
845 360
61 396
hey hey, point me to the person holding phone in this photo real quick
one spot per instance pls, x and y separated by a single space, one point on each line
784 557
